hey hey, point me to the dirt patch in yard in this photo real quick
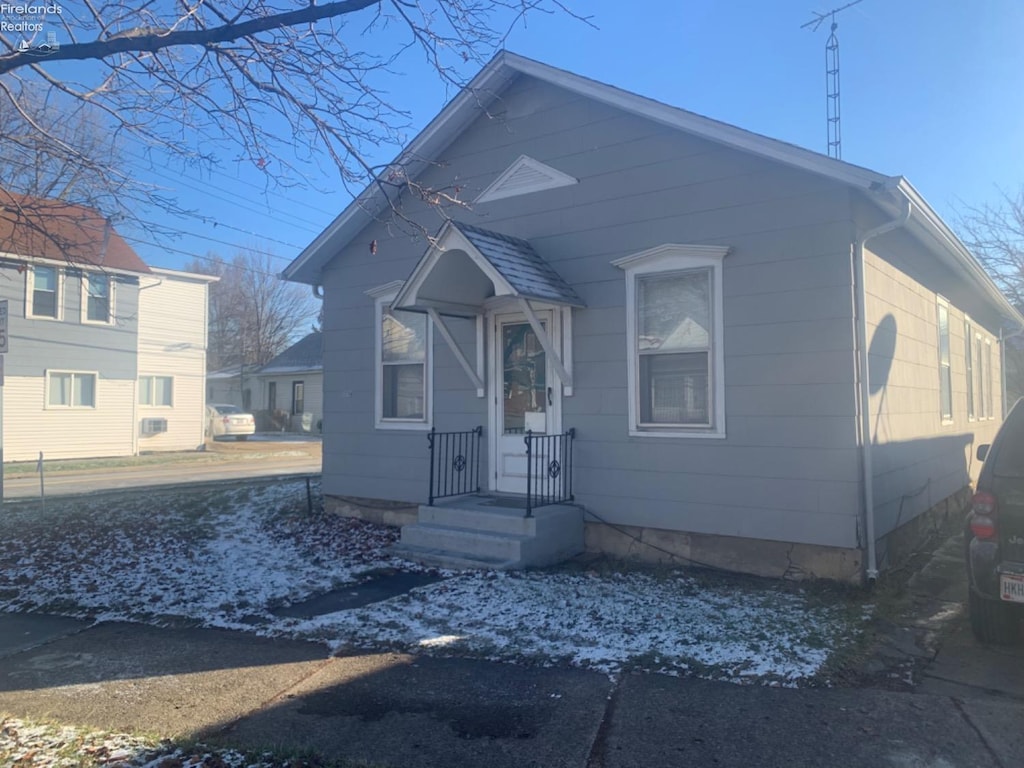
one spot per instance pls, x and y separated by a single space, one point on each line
271 445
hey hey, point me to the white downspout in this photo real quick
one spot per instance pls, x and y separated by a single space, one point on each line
865 389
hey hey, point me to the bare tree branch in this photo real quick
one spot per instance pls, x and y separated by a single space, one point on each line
273 84
254 315
150 40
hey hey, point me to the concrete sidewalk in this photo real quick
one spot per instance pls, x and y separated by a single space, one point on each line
239 690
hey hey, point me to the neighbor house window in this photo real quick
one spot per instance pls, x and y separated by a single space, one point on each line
44 285
674 339
403 364
271 396
945 372
156 391
969 365
97 292
70 389
298 397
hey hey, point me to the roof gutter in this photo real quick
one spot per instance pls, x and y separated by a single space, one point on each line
864 401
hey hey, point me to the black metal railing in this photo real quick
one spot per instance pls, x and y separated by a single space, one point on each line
454 463
548 469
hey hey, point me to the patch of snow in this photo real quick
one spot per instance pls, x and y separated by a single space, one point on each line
228 558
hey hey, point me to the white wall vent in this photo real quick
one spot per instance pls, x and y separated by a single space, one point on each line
525 175
154 426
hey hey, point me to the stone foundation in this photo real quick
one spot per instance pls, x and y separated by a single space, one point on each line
379 511
774 559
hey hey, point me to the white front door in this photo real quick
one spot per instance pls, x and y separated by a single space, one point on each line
525 396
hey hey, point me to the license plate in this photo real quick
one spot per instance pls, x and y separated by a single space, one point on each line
1011 585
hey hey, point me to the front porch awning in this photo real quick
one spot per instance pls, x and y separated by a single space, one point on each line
466 267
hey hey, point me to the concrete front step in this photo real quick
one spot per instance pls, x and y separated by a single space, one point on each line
480 513
441 558
477 544
492 532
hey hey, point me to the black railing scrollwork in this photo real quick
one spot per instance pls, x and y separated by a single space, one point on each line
454 463
548 469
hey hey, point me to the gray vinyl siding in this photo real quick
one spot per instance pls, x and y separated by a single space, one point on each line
919 458
39 344
787 469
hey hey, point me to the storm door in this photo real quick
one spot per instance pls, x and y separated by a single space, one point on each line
526 396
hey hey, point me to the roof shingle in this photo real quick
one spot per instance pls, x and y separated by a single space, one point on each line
53 229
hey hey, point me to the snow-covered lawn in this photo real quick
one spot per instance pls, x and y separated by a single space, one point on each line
228 558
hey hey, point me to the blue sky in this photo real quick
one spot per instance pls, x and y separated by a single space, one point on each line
931 89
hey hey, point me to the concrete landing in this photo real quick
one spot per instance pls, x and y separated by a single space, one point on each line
492 532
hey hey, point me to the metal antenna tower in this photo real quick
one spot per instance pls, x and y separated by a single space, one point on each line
832 111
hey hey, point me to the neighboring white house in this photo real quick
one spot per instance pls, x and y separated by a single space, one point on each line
106 355
172 360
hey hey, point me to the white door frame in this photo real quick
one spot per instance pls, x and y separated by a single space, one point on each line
552 317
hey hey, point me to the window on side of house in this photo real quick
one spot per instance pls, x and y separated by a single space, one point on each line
990 412
271 396
979 377
70 389
945 370
969 366
403 366
157 391
674 339
97 298
44 285
298 397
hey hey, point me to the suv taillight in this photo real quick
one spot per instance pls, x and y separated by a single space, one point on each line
983 515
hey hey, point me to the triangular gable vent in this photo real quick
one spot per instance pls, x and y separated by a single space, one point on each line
525 175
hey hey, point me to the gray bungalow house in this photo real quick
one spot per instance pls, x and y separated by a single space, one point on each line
291 386
648 333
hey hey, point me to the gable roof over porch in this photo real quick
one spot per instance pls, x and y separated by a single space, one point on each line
465 266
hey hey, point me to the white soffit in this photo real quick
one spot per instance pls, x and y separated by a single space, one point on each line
524 176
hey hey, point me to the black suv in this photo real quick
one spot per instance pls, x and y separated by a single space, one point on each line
994 535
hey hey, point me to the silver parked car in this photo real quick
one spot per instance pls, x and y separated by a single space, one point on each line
223 420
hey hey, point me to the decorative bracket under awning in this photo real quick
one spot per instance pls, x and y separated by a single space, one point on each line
465 267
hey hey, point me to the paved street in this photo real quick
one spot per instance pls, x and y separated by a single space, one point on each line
253 458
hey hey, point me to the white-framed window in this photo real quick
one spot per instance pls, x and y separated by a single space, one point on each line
990 412
43 292
979 376
71 389
969 367
97 298
945 369
674 332
156 391
404 363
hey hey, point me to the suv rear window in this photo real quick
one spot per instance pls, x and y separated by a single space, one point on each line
1009 457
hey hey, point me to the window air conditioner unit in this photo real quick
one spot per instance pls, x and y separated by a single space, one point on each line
154 426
